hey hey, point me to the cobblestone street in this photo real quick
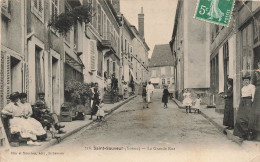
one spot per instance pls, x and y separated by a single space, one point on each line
184 136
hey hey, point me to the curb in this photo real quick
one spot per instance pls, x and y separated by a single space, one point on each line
55 141
221 128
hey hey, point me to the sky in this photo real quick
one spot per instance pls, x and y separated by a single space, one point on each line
158 19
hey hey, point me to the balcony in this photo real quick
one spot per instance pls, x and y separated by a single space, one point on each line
110 42
75 3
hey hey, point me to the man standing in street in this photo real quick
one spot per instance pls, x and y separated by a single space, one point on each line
149 90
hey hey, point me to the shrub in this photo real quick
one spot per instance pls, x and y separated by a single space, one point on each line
77 92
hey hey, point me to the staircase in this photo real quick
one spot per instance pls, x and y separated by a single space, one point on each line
107 98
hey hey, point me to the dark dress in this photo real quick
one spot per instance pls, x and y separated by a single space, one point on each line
165 96
95 103
254 117
241 125
228 119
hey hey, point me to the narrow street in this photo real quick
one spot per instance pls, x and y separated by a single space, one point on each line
186 136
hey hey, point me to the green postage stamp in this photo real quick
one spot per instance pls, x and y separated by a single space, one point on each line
214 11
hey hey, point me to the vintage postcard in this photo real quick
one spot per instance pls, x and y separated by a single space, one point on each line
130 80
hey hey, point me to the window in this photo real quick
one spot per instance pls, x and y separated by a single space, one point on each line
168 80
125 45
162 70
5 4
67 37
37 8
226 64
108 70
102 24
105 26
108 30
163 81
94 19
100 63
39 70
75 37
114 67
99 19
54 8
172 80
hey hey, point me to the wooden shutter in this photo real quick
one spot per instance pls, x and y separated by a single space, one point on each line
93 54
8 77
2 81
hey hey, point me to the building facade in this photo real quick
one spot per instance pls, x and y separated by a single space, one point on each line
35 58
12 60
101 41
191 51
234 51
161 66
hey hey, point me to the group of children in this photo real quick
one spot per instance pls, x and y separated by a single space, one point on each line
187 102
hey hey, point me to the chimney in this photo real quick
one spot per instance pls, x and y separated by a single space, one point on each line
141 23
116 5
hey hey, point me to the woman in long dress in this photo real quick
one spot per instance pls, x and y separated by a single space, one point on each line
165 96
228 119
241 128
254 117
19 122
27 112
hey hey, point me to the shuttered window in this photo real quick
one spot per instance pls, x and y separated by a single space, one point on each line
9 68
2 67
100 63
5 5
99 19
93 55
37 7
94 18
8 77
54 8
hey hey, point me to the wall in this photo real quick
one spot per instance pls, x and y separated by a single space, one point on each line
196 49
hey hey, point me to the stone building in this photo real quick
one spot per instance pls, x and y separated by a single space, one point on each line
161 66
190 50
234 51
101 51
12 60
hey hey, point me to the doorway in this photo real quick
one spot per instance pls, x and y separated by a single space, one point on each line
16 75
55 85
256 56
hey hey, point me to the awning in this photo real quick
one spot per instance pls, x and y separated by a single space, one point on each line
155 80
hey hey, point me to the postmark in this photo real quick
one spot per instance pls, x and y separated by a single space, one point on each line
215 11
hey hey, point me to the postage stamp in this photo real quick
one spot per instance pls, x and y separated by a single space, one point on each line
214 11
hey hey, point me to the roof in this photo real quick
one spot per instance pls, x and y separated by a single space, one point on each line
161 56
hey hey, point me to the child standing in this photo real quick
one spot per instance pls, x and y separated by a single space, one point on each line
197 103
165 96
100 112
187 102
145 104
